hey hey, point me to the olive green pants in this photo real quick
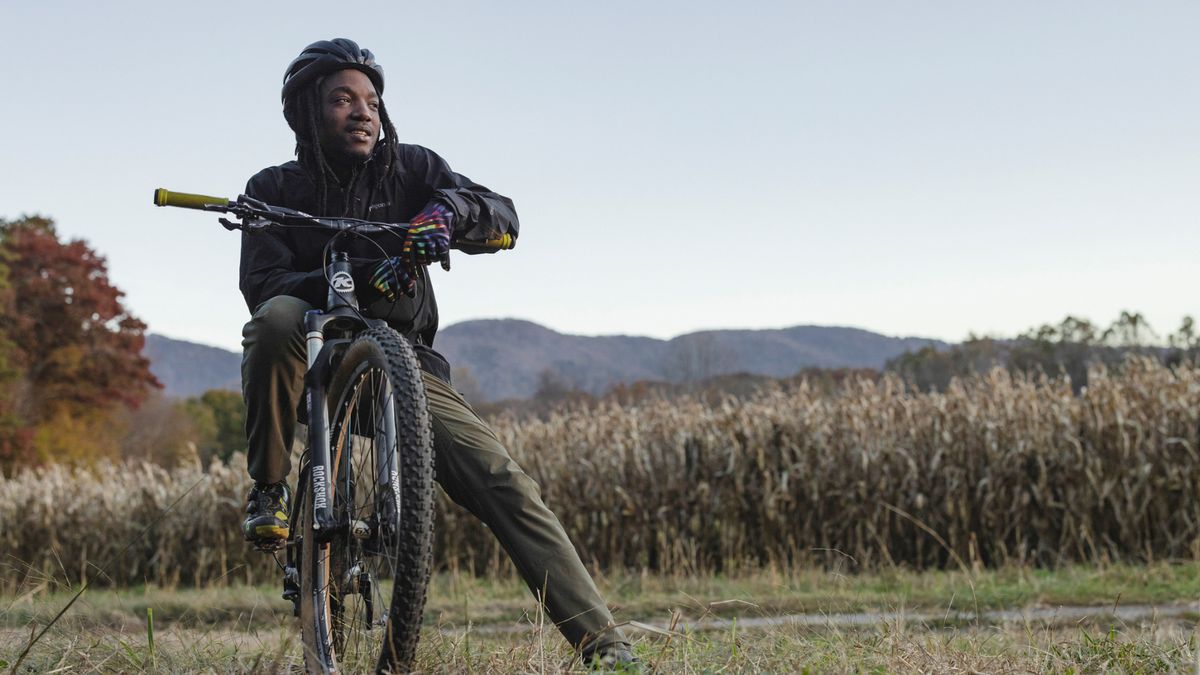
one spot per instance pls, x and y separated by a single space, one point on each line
470 464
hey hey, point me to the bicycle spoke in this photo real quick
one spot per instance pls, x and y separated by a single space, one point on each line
358 573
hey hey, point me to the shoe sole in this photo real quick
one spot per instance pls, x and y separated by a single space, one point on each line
268 537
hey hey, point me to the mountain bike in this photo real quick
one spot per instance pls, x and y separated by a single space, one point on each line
357 567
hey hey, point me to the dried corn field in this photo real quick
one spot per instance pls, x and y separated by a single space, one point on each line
998 469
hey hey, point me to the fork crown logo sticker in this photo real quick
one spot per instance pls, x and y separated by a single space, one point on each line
342 282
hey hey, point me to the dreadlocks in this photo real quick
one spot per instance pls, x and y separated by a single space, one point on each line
303 112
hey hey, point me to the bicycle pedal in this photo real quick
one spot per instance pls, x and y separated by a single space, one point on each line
269 545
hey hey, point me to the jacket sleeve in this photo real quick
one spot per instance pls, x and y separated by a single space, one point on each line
268 262
480 214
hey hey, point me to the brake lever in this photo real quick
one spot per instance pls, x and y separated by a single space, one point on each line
251 219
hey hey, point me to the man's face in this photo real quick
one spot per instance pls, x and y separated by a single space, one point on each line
349 115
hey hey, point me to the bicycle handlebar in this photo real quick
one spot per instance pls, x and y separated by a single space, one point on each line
248 209
164 197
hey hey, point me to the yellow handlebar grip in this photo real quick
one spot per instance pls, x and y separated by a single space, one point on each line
503 243
164 197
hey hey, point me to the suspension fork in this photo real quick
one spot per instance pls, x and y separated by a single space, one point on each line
318 426
340 299
387 474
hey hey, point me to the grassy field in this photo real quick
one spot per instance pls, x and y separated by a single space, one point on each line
905 622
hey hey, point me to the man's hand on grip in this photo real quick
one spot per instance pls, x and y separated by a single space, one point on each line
428 237
392 276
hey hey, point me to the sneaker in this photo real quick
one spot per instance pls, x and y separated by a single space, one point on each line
613 657
266 524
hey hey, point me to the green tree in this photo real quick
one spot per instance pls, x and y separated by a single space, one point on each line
1130 330
219 417
1184 342
1185 337
931 369
1078 331
1068 348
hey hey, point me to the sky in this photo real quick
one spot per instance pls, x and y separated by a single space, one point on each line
913 168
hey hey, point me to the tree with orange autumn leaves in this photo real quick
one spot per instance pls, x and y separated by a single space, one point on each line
70 352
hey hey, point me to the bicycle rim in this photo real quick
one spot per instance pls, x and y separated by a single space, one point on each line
367 584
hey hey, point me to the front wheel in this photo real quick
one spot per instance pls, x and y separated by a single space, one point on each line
363 588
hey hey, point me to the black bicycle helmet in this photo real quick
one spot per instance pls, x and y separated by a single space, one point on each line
327 56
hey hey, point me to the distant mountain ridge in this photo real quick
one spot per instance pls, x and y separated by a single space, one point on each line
506 357
190 369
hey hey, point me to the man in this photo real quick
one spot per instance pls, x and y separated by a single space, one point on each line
345 168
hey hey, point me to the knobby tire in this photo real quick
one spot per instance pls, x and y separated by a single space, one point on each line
340 630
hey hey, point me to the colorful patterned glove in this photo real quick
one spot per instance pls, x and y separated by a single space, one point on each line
391 277
429 235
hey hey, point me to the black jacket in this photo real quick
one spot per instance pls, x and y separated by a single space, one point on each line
290 262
